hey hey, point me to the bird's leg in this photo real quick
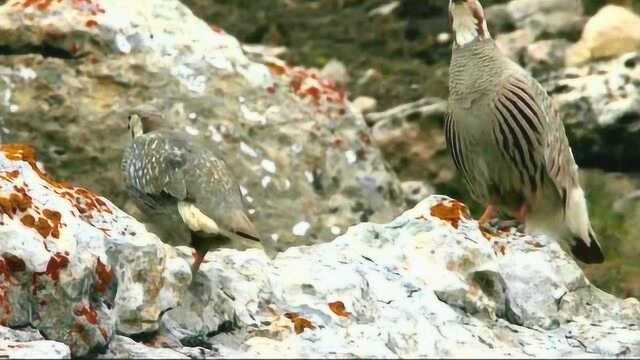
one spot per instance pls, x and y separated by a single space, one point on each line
522 213
489 213
202 247
197 260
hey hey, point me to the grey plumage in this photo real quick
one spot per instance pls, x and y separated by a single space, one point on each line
507 140
185 186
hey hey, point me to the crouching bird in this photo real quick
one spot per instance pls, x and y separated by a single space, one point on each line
508 141
180 183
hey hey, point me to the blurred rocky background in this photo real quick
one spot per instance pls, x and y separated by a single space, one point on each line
392 57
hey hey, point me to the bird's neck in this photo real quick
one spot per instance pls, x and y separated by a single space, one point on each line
468 25
474 68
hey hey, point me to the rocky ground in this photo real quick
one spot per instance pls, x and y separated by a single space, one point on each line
79 276
87 277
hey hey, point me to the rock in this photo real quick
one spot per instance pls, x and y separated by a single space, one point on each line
124 348
72 71
410 136
428 284
611 32
546 55
335 71
39 349
521 10
385 9
365 104
443 38
415 191
368 76
499 19
600 105
29 344
514 43
65 251
561 24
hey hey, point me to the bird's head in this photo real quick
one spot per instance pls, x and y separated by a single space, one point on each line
141 123
467 21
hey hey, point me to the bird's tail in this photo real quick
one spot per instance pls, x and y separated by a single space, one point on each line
242 226
584 243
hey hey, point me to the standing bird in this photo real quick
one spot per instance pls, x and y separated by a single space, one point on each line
508 141
179 183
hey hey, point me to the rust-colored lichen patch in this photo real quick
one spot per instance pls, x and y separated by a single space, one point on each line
91 23
339 309
5 305
307 84
14 264
88 312
9 176
450 211
104 276
56 263
299 323
85 201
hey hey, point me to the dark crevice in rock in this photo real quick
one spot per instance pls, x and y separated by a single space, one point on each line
45 50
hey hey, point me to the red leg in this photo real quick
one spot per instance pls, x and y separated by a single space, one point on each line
522 213
198 257
489 213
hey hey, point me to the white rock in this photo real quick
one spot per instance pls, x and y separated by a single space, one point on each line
335 71
385 9
416 287
365 104
39 349
60 278
611 32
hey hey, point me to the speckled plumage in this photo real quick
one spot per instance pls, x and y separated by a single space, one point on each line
507 140
181 182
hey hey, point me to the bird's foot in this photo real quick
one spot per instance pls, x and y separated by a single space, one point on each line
198 257
489 213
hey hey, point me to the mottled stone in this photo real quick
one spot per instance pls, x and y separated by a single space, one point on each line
73 70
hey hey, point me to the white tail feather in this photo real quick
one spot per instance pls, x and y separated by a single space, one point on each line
577 215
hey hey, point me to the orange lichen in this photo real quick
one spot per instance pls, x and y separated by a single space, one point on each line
88 312
14 264
82 199
91 23
104 276
9 176
299 323
306 84
339 309
450 211
56 263
5 305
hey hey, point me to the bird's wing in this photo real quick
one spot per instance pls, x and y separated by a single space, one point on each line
153 167
560 165
519 129
215 193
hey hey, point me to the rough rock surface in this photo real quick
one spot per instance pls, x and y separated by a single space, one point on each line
429 283
63 253
72 70
600 104
29 344
611 32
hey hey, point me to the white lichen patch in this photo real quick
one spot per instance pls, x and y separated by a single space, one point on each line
351 156
265 181
301 228
268 165
252 116
248 150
